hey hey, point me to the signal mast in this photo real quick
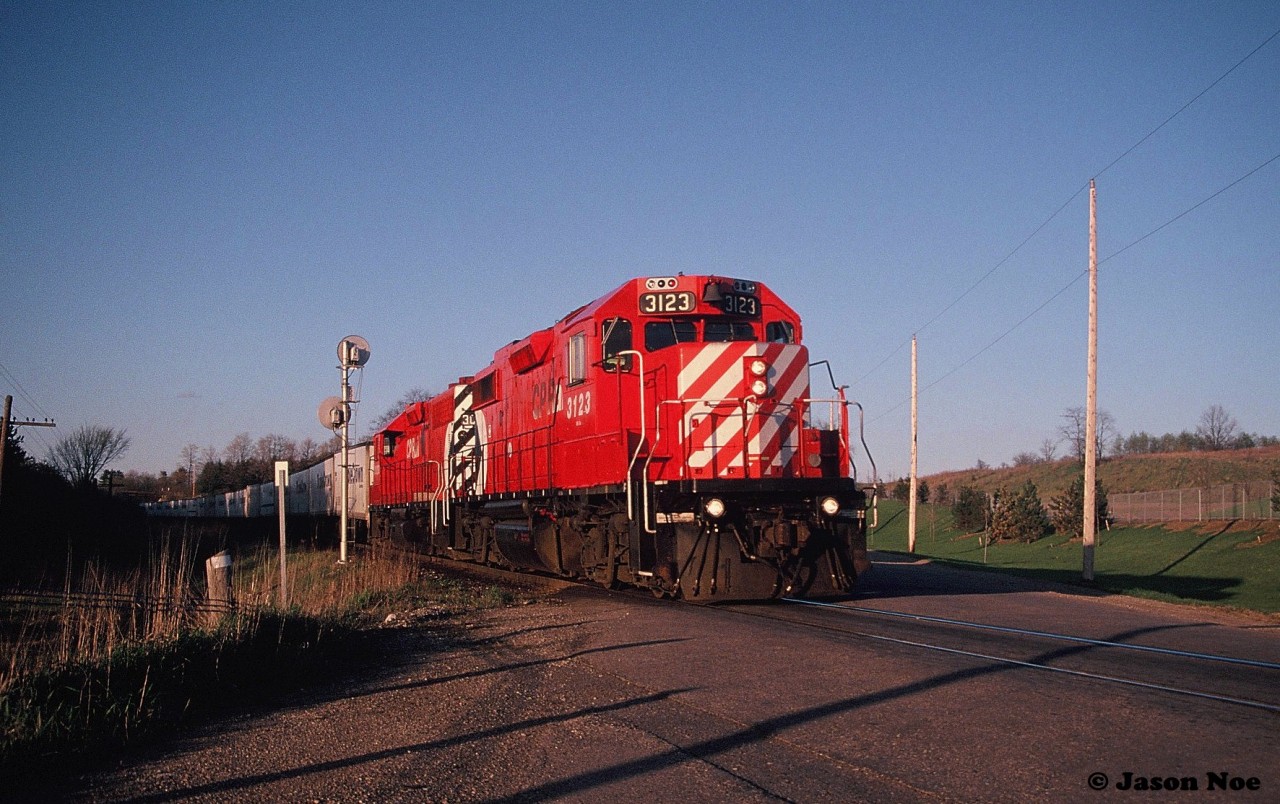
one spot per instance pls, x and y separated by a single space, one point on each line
335 414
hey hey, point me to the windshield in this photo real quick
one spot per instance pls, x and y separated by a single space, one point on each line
661 334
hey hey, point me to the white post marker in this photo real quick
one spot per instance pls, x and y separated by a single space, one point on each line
282 482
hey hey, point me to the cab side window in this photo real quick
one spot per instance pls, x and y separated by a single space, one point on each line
577 358
780 332
617 338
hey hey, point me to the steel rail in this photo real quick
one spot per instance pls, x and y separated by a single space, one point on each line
1131 682
1212 657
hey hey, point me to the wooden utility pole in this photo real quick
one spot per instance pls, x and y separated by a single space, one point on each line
4 431
1091 395
911 505
4 434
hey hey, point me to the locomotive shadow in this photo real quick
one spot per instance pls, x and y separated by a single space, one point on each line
504 668
637 709
248 782
706 750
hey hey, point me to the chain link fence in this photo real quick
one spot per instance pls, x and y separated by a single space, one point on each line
1255 500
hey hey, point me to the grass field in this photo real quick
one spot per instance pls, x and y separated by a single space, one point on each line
1218 563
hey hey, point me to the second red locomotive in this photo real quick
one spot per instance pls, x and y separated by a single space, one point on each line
663 436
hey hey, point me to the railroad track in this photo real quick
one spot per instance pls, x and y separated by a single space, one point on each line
1235 680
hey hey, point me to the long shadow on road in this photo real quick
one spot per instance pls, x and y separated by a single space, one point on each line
704 750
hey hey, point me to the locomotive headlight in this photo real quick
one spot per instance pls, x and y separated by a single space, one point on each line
759 367
759 387
714 507
830 506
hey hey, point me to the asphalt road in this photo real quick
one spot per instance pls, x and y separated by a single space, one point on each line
586 696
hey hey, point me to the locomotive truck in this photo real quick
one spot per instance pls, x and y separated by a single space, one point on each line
663 436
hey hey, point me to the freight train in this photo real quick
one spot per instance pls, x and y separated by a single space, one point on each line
310 492
664 436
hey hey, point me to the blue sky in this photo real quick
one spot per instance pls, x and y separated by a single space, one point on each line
201 199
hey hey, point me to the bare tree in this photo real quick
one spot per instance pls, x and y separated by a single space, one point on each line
191 464
1217 427
86 451
273 447
1048 450
189 458
1026 459
239 450
308 451
1072 431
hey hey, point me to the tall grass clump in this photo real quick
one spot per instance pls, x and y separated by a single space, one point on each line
115 655
362 591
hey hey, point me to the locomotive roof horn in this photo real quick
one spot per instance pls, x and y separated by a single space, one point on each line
712 293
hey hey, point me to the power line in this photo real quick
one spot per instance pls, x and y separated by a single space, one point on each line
1077 278
1187 105
22 392
1189 210
1067 203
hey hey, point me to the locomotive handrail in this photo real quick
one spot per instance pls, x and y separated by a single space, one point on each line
862 430
438 496
635 456
862 434
840 427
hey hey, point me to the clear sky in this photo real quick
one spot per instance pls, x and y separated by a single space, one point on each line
199 200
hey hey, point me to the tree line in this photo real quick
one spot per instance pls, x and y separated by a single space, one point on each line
1216 430
244 461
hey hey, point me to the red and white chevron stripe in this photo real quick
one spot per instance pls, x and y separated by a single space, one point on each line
727 430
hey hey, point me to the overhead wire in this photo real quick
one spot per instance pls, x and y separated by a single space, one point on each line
1076 279
1059 211
22 392
26 397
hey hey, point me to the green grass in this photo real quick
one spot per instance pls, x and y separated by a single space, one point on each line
1213 563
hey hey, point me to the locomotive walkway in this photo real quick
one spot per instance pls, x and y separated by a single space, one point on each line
585 696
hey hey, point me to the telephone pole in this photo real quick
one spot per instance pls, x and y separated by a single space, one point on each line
4 431
1091 395
911 506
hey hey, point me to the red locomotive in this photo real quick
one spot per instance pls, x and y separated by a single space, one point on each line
662 436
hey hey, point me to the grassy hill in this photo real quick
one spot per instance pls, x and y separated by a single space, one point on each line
1129 473
1234 564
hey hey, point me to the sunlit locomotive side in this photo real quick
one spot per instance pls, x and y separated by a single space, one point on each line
663 436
